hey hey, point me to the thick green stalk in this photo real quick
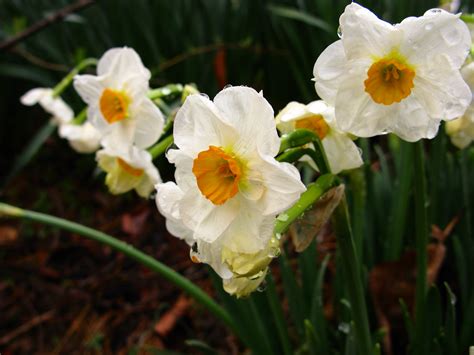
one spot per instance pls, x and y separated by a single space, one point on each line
313 192
352 271
160 147
421 230
171 89
81 117
144 259
63 84
301 137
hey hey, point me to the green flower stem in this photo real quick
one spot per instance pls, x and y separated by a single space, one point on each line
301 137
466 191
160 147
171 89
63 84
421 230
294 154
352 271
81 117
144 259
313 192
468 18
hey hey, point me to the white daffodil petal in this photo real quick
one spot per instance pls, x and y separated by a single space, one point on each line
200 215
198 125
150 126
252 116
436 33
443 92
364 34
249 232
89 87
82 138
33 96
342 153
122 64
329 70
283 183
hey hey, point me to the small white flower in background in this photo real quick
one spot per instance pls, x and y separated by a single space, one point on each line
317 116
83 138
461 130
60 111
229 188
128 168
403 79
117 100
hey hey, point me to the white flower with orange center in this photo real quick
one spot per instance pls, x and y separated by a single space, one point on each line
60 111
128 168
229 188
403 78
317 116
117 100
461 130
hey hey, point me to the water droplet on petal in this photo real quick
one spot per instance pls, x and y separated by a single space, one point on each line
204 95
228 86
435 11
339 32
451 35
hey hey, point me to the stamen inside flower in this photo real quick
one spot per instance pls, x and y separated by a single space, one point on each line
217 174
389 80
315 123
129 169
114 105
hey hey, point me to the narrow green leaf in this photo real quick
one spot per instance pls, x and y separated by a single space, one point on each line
295 14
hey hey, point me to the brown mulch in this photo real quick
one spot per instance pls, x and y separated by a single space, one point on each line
63 294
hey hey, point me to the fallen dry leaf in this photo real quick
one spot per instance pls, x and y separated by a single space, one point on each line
167 322
8 235
304 230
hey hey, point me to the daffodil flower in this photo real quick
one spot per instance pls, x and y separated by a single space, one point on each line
461 130
229 188
225 168
117 100
403 79
60 111
317 116
128 168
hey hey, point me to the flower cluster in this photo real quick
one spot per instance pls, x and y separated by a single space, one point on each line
229 188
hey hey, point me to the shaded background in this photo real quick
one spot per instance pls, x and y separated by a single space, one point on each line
69 295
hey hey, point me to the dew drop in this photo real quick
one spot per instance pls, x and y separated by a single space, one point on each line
262 287
283 217
451 35
435 11
339 32
227 86
204 95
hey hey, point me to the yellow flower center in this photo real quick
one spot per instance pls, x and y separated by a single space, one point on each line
129 169
114 105
217 174
389 80
315 123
